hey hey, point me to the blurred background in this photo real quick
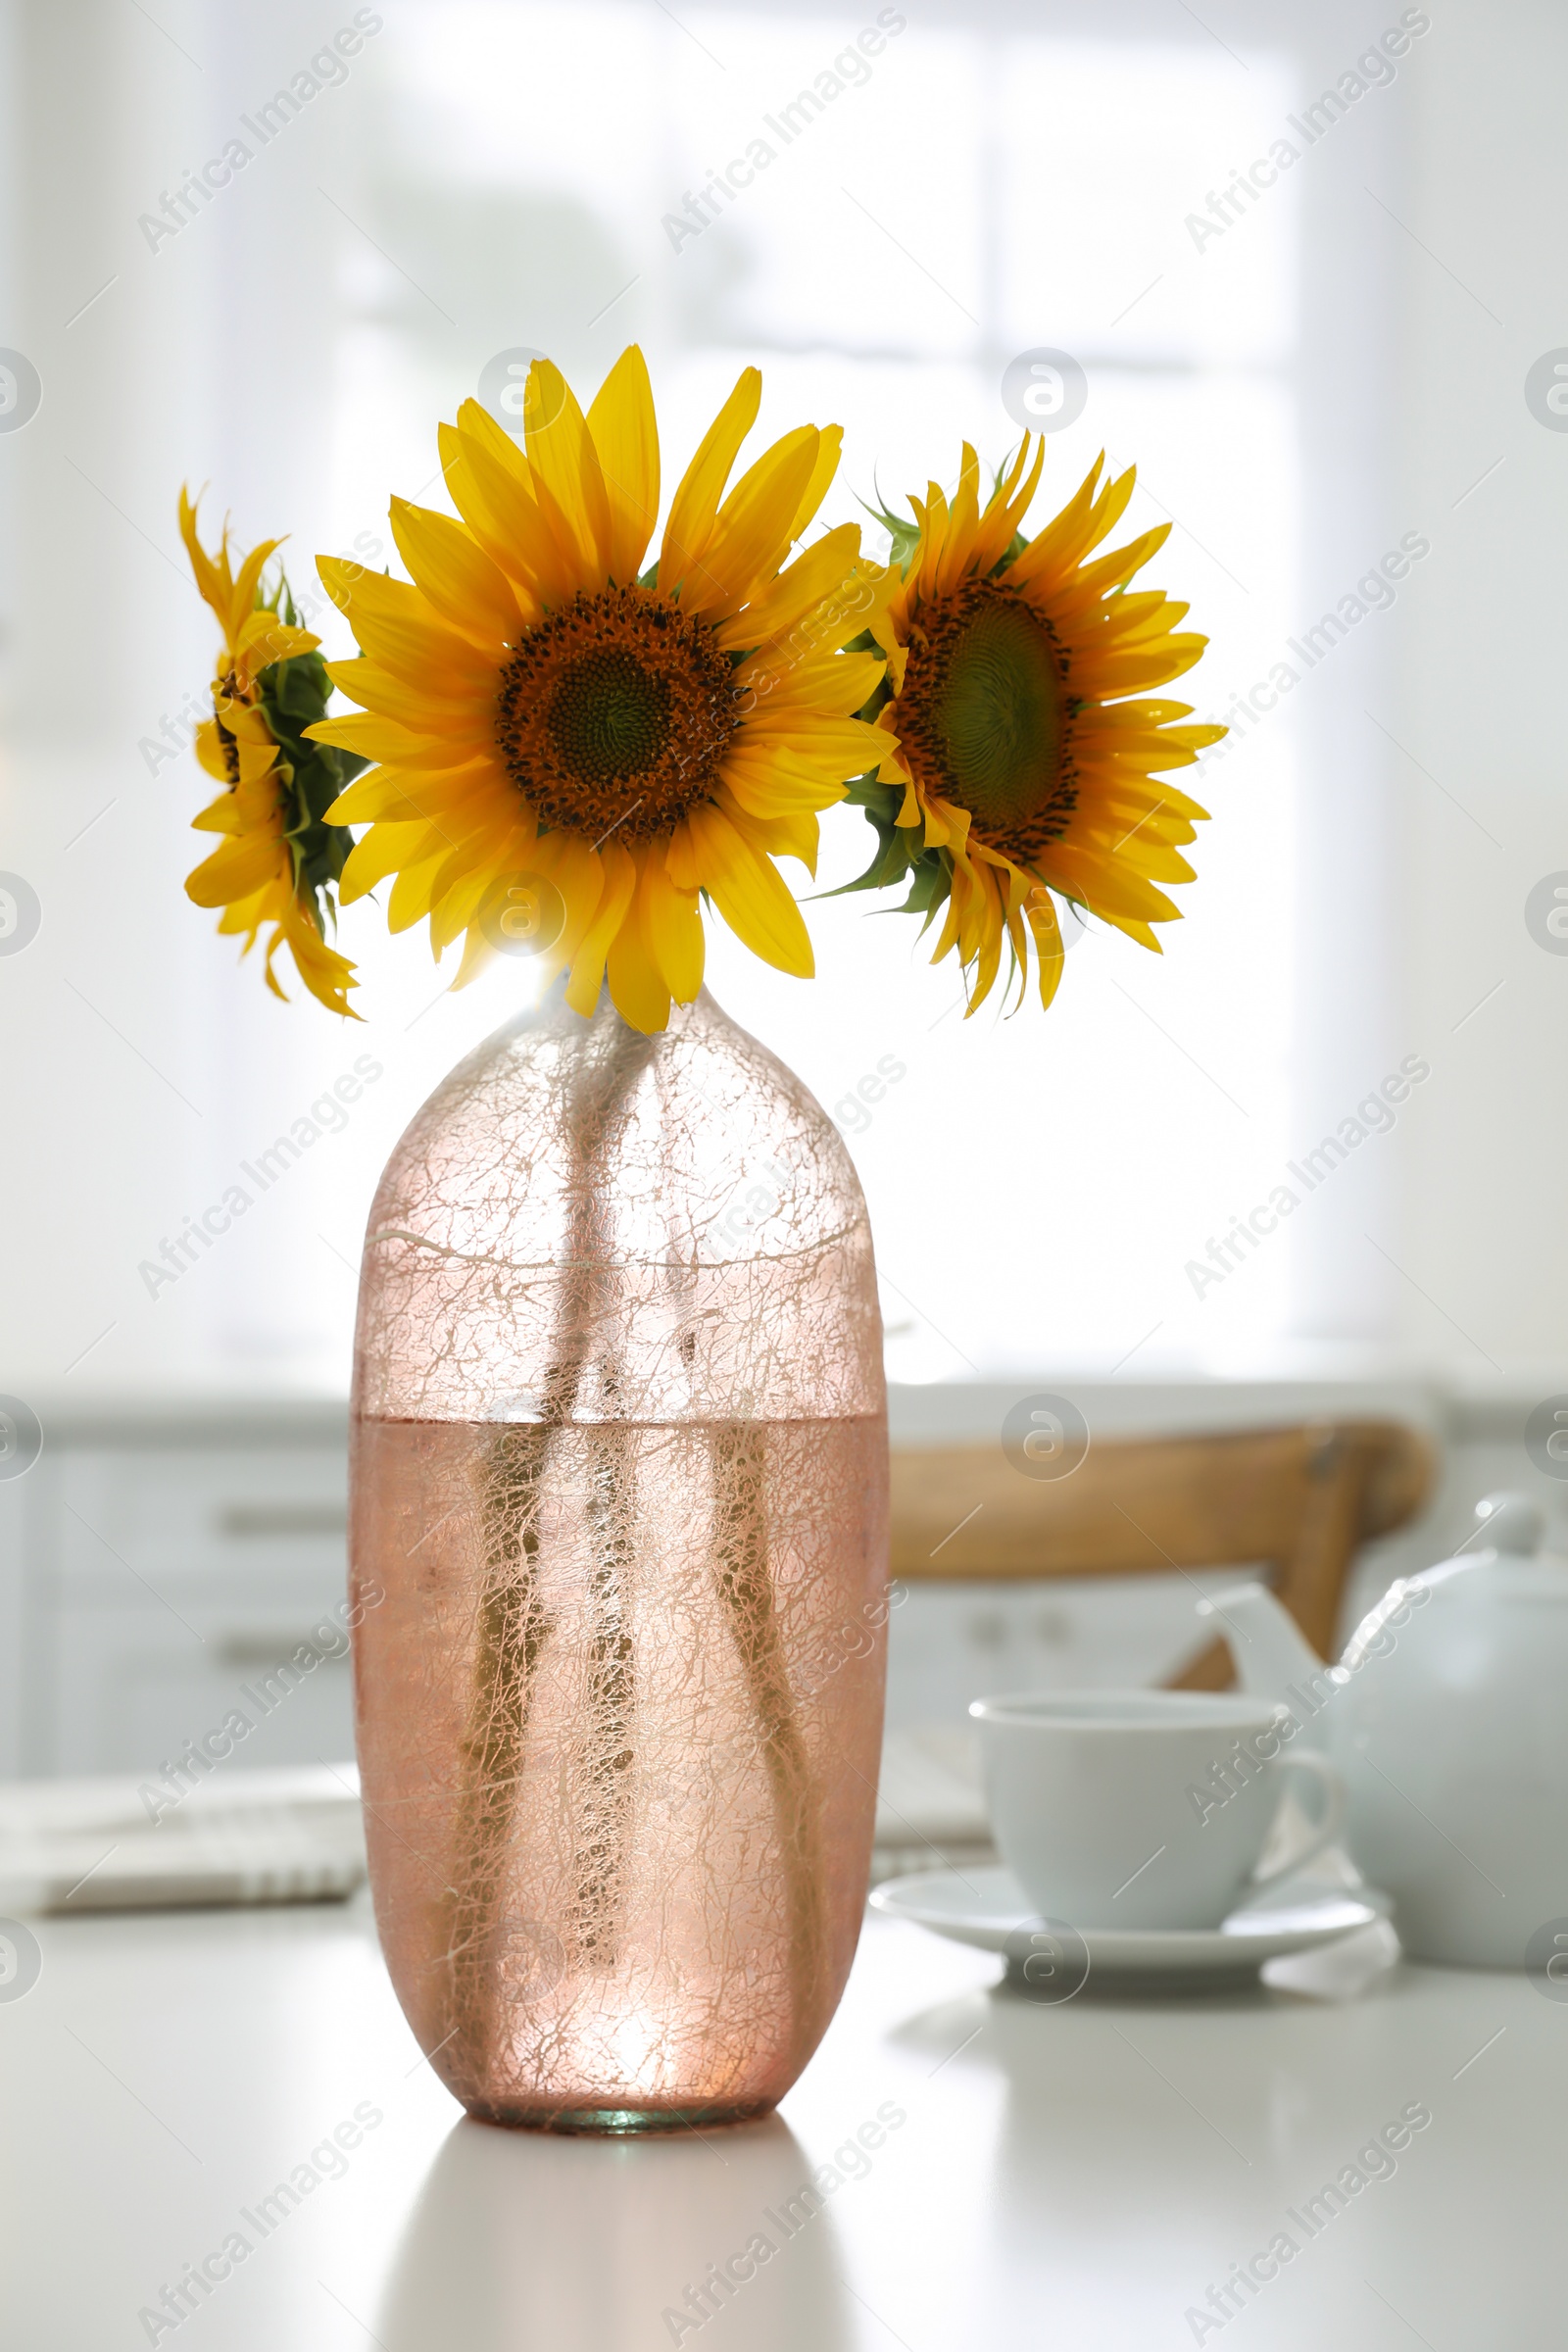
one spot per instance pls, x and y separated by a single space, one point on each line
1306 260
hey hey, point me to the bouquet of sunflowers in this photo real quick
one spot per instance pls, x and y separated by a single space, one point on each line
559 741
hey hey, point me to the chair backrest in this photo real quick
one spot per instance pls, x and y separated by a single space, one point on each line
1297 1500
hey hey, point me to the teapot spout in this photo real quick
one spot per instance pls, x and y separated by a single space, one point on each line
1273 1657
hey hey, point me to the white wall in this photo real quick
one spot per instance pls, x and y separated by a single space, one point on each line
1478 1218
1349 912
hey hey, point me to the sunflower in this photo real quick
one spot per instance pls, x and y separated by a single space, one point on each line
561 731
280 858
1026 755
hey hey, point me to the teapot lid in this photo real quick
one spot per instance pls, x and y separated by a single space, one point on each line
1510 1527
1512 1521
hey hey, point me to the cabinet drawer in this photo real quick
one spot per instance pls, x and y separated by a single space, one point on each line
225 1513
132 1685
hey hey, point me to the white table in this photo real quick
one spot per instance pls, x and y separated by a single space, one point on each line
1075 2177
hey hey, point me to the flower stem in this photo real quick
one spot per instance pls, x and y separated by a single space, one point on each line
512 1629
601 1852
746 1582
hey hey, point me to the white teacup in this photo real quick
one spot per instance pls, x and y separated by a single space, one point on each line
1142 1808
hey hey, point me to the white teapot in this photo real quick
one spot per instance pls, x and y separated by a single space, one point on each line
1448 1716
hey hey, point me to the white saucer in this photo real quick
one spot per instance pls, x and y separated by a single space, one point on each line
986 1907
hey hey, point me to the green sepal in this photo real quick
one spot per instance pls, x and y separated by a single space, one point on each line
902 532
894 858
930 888
1008 555
869 792
294 695
898 846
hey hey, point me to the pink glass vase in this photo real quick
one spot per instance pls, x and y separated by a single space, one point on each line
619 1547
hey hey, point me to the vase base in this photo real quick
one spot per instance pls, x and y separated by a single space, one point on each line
616 2122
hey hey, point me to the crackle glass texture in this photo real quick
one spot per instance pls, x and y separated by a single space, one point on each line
619 1552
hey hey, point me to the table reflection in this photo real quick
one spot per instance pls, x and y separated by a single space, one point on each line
523 2238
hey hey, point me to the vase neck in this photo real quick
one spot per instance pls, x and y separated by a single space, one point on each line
551 1011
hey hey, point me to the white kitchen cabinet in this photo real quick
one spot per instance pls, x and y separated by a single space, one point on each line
159 1570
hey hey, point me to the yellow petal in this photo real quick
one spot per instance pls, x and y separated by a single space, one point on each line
750 533
674 928
265 905
211 579
264 639
749 892
850 745
701 486
831 443
239 867
454 571
576 871
381 851
326 973
778 786
467 711
1046 931
464 879
963 524
389 795
588 965
831 685
1126 673
681 860
1092 580
789 833
927 560
637 987
534 553
1080 526
402 631
409 899
477 955
475 419
568 480
985 930
222 815
1003 517
796 612
1111 891
626 433
242 595
373 737
480 842
210 751
479 516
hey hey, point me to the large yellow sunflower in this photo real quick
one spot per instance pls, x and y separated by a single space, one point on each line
557 728
280 859
1027 754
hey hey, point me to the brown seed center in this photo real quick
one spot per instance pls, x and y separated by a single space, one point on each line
985 719
614 715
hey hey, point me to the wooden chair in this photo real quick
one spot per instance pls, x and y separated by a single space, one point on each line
1299 1501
